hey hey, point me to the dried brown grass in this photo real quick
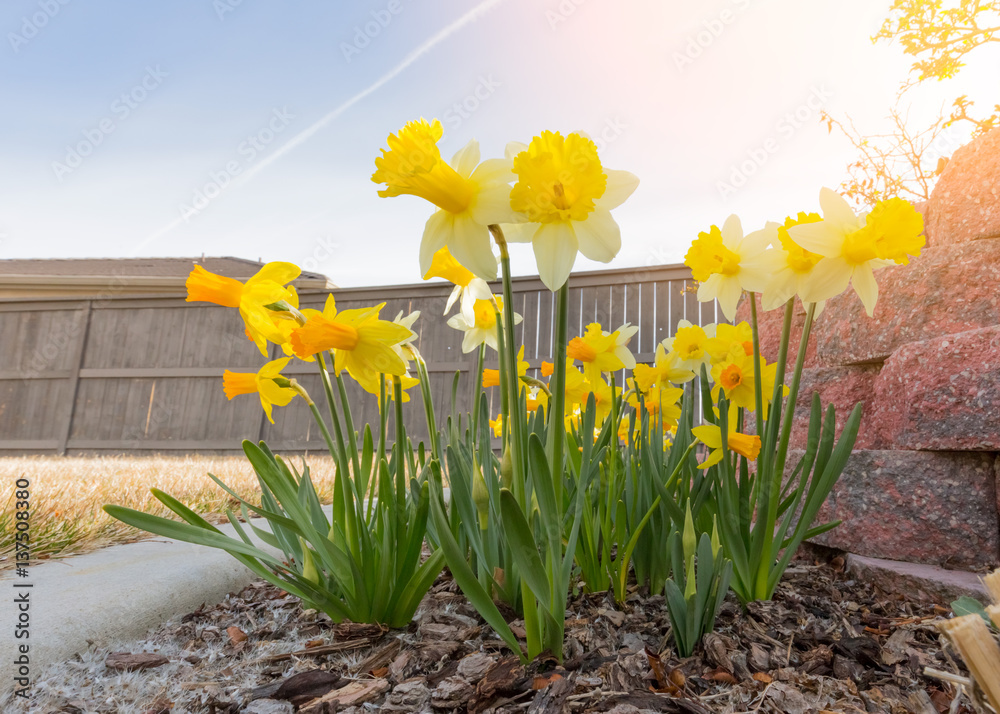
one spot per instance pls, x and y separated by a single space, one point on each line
67 494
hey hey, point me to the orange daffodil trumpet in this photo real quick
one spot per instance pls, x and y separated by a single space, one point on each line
746 445
262 383
469 195
467 286
483 326
566 195
854 246
362 343
267 287
602 351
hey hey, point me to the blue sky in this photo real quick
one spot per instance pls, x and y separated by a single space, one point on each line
211 126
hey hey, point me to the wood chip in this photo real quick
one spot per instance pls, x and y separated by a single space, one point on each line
128 662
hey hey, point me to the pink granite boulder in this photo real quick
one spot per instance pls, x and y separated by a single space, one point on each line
843 387
942 394
937 508
965 202
948 289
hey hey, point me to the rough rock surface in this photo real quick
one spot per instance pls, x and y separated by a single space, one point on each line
843 387
915 506
948 289
942 394
965 202
920 582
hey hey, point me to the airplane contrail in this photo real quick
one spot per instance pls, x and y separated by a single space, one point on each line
307 133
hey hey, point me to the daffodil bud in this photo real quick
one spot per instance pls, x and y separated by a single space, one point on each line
309 571
506 469
716 543
689 541
481 496
532 382
287 310
300 390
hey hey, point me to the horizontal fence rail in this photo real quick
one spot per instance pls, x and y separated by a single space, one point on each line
121 374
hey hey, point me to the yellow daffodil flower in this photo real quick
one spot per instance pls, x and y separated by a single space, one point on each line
729 337
662 401
491 377
602 351
854 246
565 196
362 343
547 368
746 445
722 262
690 345
406 381
467 286
664 371
789 264
577 387
603 397
261 383
735 376
483 327
469 195
264 288
497 425
535 398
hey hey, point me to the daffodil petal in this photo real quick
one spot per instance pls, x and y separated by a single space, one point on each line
436 232
466 159
836 210
821 237
279 272
599 237
621 185
519 232
470 244
492 206
555 247
829 277
732 233
866 287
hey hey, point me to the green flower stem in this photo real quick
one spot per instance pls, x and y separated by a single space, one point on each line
477 392
400 445
557 401
758 375
425 393
777 473
344 485
341 453
349 425
779 381
518 437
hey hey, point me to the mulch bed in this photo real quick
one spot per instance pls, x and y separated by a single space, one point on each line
826 643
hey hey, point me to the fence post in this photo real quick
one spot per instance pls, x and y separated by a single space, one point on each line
74 379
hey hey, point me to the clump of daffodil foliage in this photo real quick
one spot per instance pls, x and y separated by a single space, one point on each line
676 478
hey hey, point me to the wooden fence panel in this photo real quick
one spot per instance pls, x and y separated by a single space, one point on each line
143 374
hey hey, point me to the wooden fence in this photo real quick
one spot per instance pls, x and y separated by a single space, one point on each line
121 373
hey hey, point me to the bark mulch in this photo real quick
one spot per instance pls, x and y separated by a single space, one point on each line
826 643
